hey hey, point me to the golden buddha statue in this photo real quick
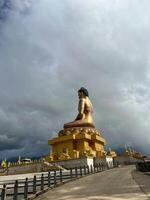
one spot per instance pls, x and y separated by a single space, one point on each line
85 108
79 138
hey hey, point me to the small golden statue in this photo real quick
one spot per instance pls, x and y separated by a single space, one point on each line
85 108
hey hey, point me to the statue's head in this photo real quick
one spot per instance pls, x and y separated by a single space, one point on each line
83 92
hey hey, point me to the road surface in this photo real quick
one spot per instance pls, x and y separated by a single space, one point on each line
115 184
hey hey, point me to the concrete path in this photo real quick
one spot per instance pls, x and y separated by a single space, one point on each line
143 180
115 184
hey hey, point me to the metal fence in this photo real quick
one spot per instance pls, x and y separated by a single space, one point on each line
22 189
143 166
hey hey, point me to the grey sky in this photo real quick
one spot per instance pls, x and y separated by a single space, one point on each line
50 48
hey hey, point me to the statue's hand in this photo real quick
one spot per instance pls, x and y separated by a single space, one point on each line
80 116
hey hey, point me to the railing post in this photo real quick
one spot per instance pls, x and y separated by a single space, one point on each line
26 189
100 167
60 175
3 193
49 179
88 169
94 168
76 171
55 181
84 170
34 184
91 169
104 166
15 197
107 165
71 173
80 171
97 167
42 182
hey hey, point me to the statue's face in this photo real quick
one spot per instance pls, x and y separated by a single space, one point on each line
81 95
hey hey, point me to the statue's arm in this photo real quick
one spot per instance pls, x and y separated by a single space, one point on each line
81 106
80 109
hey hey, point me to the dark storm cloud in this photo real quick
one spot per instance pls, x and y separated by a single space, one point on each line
49 49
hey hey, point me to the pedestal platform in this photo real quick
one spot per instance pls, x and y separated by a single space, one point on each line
77 142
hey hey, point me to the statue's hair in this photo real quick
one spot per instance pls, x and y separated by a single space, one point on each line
84 90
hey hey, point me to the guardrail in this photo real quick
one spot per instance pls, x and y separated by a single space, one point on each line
143 166
22 189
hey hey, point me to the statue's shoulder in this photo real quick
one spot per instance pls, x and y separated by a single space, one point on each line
82 100
88 101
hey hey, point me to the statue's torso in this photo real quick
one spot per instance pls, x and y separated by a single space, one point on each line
88 109
84 118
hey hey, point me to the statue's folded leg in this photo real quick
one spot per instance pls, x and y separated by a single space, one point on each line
68 125
79 123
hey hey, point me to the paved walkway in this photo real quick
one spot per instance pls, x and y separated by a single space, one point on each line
116 184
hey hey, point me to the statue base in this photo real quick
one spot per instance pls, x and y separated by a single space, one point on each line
77 142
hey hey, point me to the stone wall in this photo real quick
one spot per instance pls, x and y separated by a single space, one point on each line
74 162
22 169
106 160
84 162
126 160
